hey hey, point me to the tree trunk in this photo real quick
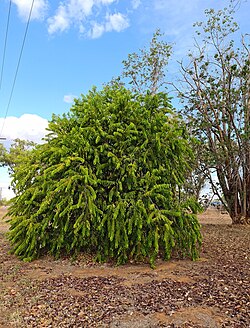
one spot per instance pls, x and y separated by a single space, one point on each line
238 208
240 220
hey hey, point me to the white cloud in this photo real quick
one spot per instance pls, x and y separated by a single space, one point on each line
39 10
106 2
5 182
69 98
96 31
60 22
116 22
28 127
135 3
91 17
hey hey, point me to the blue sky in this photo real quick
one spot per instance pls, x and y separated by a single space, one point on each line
72 45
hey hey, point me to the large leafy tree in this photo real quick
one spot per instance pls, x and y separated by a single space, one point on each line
106 181
216 88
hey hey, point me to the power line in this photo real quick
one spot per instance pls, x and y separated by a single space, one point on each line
17 68
5 44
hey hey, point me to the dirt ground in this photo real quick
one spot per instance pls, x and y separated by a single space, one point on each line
210 292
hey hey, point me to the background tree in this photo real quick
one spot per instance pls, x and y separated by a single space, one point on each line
145 70
195 179
216 88
15 154
3 152
106 181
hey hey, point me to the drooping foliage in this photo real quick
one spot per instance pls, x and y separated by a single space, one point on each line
106 181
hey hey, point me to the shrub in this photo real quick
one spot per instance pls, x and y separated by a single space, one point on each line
106 180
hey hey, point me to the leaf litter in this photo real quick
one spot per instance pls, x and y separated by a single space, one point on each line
211 292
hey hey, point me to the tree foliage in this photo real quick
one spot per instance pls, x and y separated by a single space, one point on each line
16 153
2 154
145 69
216 88
106 181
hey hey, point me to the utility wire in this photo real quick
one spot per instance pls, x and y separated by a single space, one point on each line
17 68
5 44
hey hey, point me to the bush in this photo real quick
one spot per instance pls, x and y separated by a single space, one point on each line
107 181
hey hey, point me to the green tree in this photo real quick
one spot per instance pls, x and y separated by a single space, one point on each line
16 154
106 181
3 152
216 89
17 151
